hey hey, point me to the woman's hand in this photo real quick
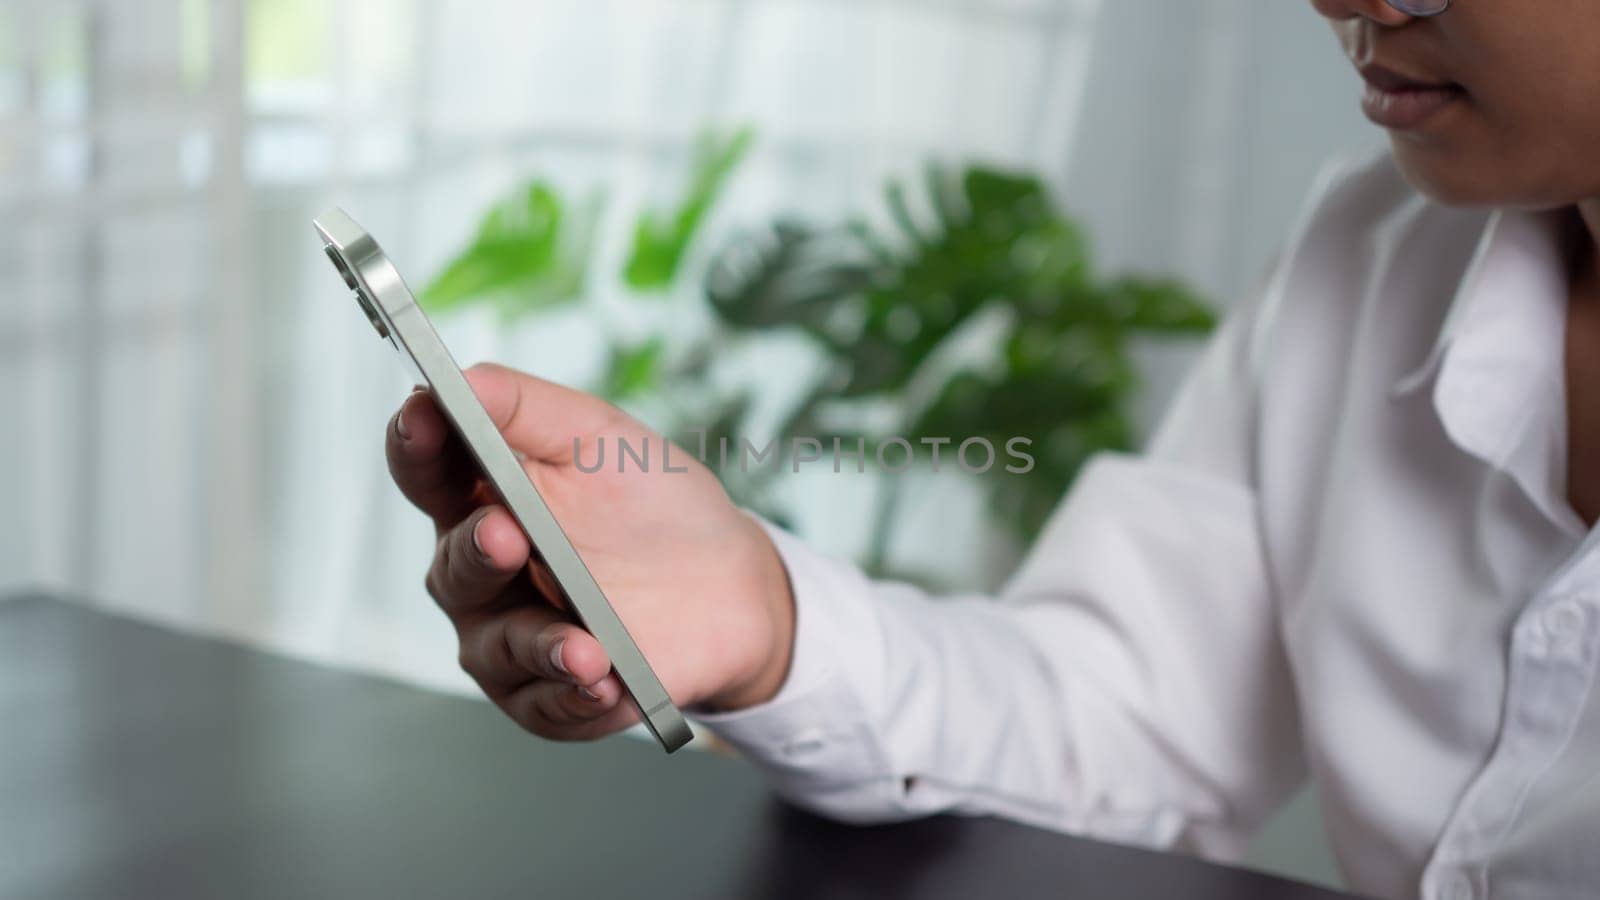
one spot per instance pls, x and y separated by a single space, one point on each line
697 582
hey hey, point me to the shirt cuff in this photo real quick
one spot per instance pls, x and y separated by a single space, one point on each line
816 737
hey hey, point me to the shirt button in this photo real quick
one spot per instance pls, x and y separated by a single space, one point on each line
1563 622
805 743
1459 887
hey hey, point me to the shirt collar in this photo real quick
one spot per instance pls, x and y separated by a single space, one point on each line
1517 271
1497 365
1516 274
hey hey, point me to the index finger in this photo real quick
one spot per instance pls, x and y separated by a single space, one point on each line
429 462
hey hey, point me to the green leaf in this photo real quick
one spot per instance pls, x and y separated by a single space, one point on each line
900 211
949 206
516 240
660 243
529 252
633 370
1162 306
790 275
1005 203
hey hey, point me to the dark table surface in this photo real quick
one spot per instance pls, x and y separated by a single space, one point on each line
138 762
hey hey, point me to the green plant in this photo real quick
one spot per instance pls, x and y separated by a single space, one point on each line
981 316
884 304
659 244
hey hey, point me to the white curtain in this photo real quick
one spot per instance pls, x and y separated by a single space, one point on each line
194 411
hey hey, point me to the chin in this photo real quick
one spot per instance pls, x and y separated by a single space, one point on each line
1465 179
1452 179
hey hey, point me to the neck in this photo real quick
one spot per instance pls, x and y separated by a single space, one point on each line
1586 247
1589 212
1583 366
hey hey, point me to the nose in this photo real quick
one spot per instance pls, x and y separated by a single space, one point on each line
1376 11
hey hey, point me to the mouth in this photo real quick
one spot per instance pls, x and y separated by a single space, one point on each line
1404 103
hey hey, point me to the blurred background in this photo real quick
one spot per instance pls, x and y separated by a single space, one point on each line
691 193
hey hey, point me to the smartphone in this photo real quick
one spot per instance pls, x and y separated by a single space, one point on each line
395 315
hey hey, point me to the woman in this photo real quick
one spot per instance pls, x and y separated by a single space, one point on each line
1357 550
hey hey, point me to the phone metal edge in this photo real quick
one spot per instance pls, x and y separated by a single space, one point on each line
416 336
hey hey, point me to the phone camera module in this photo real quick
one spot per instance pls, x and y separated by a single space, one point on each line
344 271
361 295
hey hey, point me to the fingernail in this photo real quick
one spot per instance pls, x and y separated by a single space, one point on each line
400 422
589 695
555 656
477 540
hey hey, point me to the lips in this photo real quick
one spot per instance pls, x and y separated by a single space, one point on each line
1404 103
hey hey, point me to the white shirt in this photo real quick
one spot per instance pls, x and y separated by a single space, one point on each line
1347 556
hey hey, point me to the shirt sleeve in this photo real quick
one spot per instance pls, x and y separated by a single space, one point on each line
1129 682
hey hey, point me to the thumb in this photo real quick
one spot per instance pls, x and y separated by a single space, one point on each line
540 419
